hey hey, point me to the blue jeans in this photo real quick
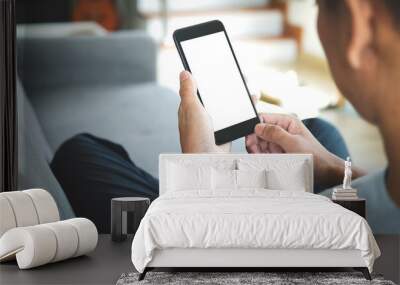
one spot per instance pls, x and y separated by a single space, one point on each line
92 170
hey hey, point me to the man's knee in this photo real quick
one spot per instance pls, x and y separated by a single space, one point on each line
78 142
317 125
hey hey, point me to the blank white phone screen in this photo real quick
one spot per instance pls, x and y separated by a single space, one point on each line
220 85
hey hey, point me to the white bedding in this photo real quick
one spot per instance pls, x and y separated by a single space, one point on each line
252 218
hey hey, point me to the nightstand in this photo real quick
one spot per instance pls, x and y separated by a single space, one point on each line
126 214
357 206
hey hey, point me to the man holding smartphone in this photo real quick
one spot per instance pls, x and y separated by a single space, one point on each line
361 39
362 43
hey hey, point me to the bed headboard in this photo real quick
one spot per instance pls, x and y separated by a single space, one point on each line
213 159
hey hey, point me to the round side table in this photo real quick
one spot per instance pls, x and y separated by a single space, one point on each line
126 214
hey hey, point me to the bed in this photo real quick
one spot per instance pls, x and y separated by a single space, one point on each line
247 211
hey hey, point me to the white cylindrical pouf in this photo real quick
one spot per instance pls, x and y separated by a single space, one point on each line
33 246
45 205
87 234
40 244
23 208
7 218
67 239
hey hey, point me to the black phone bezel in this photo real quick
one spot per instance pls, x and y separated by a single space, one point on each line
191 32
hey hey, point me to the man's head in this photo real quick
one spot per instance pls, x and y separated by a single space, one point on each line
361 39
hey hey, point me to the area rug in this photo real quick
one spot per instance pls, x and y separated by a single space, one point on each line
232 278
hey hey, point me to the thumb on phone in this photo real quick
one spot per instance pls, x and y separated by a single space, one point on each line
188 88
274 134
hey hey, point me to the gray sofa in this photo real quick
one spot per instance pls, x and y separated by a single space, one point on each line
103 85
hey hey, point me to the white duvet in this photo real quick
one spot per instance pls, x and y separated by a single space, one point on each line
253 218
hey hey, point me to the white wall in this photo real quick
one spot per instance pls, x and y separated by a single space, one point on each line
304 14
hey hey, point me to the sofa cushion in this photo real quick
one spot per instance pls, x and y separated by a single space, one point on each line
34 155
117 58
142 118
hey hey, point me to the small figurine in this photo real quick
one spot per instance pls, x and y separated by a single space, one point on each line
347 174
345 192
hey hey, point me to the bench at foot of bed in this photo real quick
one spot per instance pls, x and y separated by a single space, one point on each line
363 270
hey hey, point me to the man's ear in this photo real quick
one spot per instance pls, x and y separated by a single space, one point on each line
361 33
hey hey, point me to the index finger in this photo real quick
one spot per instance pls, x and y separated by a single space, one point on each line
282 120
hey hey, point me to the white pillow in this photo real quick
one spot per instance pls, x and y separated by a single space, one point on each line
182 177
251 178
219 163
293 180
223 179
282 174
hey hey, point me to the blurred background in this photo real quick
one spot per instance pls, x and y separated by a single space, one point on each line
109 67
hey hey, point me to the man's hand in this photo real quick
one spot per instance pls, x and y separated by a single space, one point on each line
286 134
195 125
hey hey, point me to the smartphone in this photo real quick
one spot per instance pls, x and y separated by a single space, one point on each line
206 52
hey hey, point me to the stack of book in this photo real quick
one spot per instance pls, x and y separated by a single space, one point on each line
344 194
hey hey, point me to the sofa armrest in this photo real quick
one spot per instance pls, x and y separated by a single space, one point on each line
114 59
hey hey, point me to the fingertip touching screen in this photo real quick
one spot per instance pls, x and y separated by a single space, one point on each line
219 82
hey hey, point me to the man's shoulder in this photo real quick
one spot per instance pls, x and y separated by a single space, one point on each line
373 188
375 180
